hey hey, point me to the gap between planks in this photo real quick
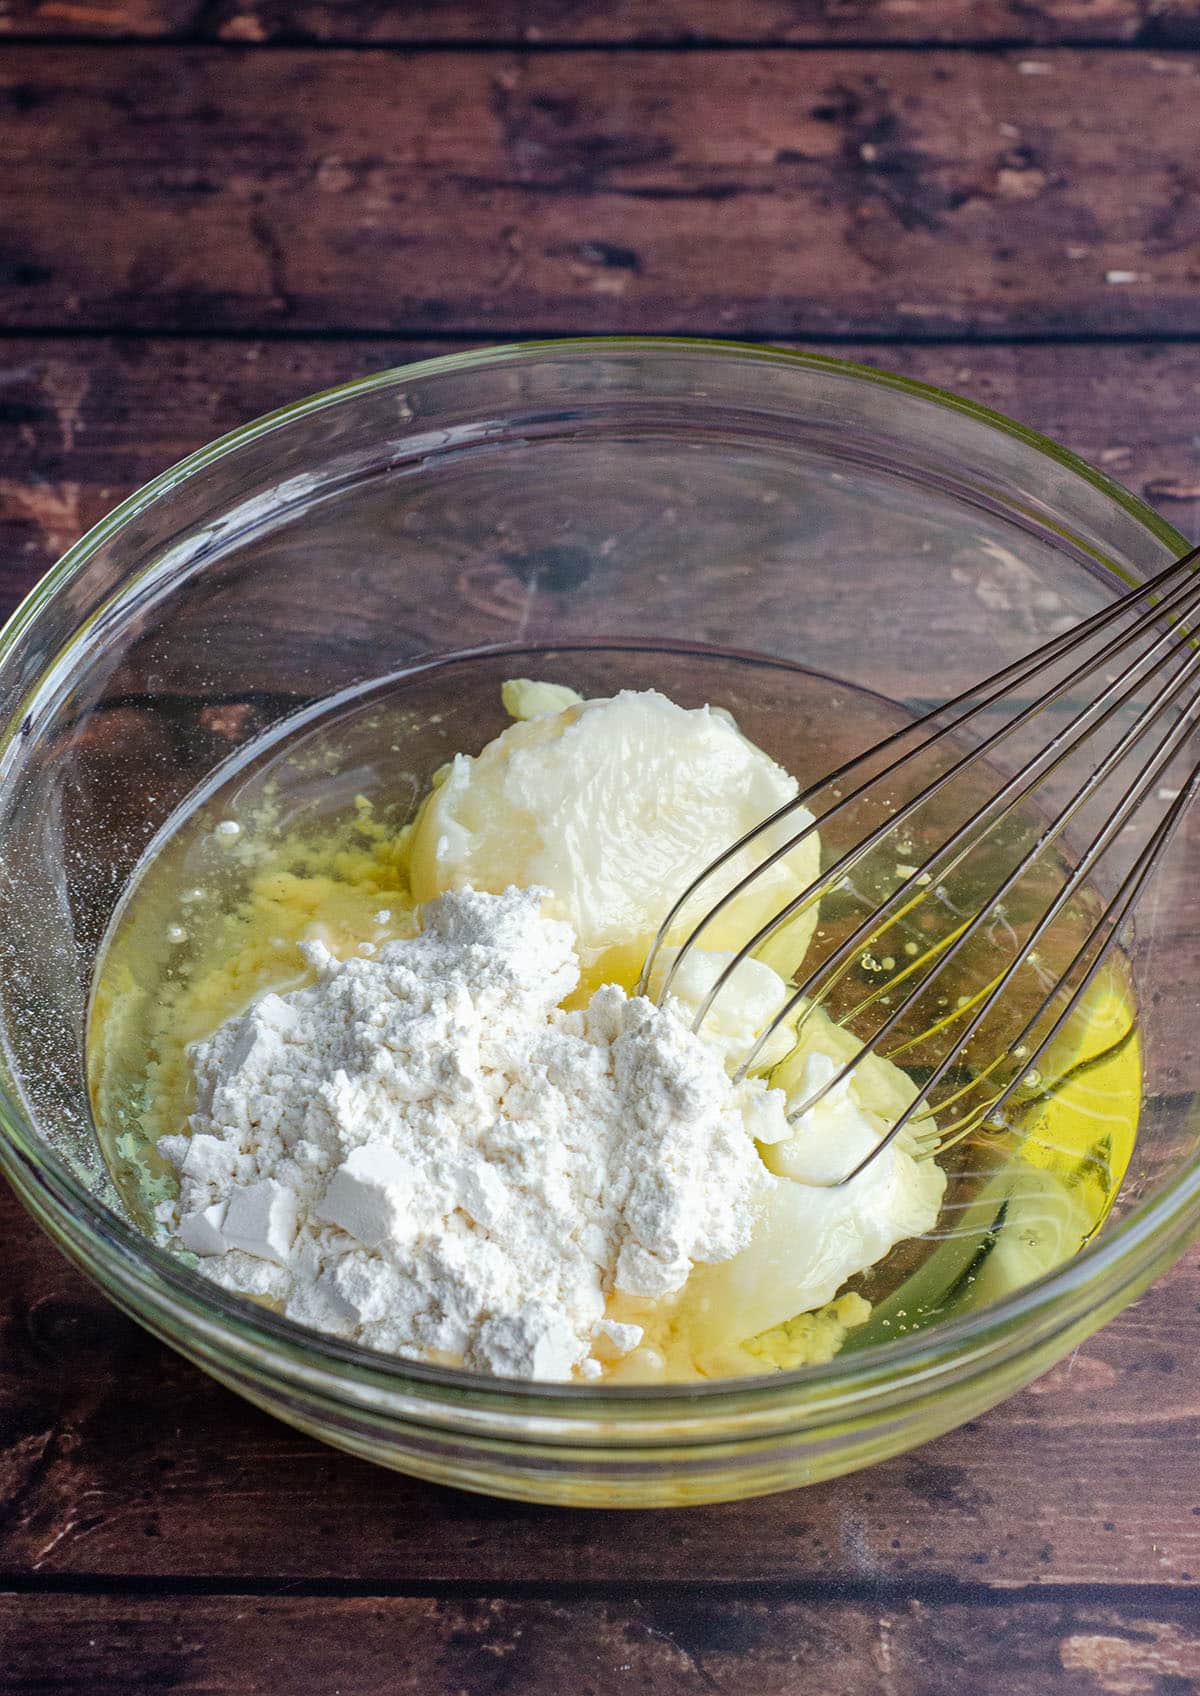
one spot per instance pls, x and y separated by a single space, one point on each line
481 338
935 1588
1146 42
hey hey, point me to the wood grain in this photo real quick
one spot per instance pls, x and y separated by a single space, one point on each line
738 192
84 423
113 1454
686 1645
538 22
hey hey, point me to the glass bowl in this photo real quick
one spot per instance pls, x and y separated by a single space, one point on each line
629 496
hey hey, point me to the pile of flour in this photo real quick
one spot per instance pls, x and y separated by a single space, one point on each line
423 1153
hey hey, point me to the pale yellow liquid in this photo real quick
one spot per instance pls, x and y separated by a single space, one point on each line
217 917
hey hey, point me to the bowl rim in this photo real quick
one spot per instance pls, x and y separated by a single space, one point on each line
1156 1230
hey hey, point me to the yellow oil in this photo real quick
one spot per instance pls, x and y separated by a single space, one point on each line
217 915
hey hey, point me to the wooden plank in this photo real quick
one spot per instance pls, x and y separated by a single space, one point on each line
614 22
662 1646
113 1452
84 423
789 195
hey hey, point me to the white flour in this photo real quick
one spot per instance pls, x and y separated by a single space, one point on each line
423 1153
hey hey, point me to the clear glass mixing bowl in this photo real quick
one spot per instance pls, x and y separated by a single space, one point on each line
628 493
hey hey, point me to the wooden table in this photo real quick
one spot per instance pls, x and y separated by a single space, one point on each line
212 206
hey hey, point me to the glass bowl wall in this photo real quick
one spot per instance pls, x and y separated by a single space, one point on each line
624 495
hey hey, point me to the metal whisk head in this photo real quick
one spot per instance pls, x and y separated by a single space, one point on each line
994 848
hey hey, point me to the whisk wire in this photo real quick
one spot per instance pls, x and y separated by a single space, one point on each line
1160 609
997 685
986 999
1181 601
1114 917
1020 787
1126 895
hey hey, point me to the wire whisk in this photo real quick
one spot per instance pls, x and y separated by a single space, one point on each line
995 847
